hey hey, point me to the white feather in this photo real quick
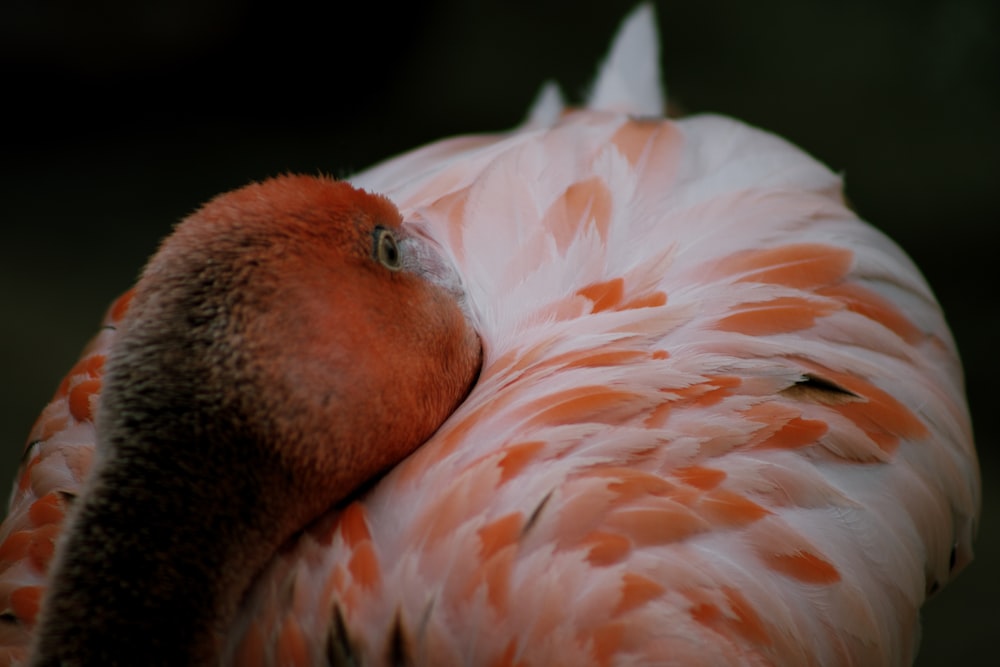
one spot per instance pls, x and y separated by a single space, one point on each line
629 79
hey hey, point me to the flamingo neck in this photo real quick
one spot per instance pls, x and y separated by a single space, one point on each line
166 541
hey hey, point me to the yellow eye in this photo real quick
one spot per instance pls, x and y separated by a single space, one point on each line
386 249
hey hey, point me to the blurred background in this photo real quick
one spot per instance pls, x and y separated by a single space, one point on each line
121 117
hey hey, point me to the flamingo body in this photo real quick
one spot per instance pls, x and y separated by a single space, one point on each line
720 420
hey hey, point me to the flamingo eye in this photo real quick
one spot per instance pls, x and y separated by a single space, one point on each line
386 249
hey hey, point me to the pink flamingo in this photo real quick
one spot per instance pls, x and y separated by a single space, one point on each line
719 419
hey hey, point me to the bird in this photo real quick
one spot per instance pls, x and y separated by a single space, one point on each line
698 412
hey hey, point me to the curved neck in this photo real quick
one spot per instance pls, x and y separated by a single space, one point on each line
151 573
189 498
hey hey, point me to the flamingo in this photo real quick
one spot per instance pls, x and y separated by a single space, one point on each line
717 419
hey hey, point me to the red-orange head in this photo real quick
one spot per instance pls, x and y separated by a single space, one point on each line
289 342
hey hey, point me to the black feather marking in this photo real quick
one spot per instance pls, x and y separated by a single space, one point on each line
818 389
29 451
398 651
537 512
339 651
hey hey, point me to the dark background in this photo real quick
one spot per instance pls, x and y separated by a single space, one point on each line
120 117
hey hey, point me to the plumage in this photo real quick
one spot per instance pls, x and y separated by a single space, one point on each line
720 419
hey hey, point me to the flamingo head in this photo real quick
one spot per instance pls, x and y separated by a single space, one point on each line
288 343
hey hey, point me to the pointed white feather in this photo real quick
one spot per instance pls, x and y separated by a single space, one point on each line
629 79
547 107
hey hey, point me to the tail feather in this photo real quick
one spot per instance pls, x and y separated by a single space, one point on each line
629 79
548 105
